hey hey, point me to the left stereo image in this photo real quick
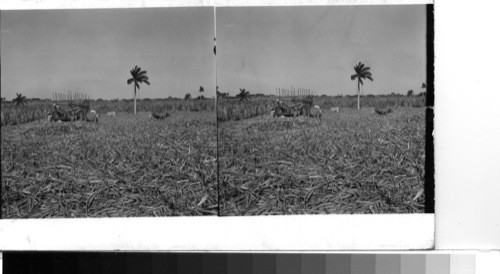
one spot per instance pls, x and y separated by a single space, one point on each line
108 113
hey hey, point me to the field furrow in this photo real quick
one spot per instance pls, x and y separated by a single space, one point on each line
348 162
124 166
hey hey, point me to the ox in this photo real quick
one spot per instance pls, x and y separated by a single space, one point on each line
317 113
159 115
382 111
92 117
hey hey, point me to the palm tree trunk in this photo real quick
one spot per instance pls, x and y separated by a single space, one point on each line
135 95
358 94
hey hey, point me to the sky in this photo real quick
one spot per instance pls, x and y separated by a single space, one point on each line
93 51
264 48
259 49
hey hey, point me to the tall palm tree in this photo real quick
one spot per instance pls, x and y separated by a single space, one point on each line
138 77
243 95
19 100
362 72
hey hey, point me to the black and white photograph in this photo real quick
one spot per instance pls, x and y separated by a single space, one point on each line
108 113
322 109
294 126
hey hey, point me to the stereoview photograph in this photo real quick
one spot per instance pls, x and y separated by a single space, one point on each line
108 113
130 112
322 110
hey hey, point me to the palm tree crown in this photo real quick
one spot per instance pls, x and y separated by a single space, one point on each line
424 90
19 100
138 77
243 95
361 72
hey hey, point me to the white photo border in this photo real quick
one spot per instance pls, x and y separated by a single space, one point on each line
259 233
